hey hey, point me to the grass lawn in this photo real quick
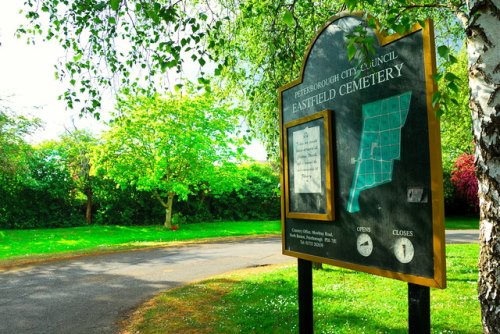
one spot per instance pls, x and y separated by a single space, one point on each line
264 300
462 223
46 242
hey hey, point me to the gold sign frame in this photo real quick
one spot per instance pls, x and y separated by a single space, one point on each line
326 180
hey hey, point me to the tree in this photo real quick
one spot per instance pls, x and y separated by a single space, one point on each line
480 21
172 146
75 148
13 146
456 123
277 31
262 46
48 195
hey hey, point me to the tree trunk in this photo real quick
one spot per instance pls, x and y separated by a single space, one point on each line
168 210
168 207
88 208
483 36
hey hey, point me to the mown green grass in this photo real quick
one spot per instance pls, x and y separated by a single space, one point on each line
344 302
462 223
26 243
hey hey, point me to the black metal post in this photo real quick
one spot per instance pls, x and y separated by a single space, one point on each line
305 297
419 309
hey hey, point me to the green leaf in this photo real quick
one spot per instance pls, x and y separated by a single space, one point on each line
452 59
453 86
351 51
436 98
372 23
451 77
115 4
443 51
288 18
439 113
400 29
437 76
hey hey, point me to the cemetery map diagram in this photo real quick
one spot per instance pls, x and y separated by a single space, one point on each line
380 144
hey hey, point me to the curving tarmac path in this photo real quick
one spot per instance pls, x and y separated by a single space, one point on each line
91 294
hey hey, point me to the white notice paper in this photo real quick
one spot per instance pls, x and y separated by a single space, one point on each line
307 161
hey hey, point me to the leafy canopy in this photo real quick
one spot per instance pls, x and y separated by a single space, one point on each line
456 126
171 145
128 44
252 46
14 149
264 44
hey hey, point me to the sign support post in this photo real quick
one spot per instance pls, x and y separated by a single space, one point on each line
419 309
305 297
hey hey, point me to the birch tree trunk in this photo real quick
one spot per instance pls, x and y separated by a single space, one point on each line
483 37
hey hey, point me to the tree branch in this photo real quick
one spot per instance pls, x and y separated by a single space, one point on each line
158 197
419 6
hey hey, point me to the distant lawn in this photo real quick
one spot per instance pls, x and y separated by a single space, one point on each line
44 242
264 300
462 223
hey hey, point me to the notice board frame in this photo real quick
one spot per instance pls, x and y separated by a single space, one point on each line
438 279
325 210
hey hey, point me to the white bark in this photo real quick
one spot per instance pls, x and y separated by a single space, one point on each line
483 37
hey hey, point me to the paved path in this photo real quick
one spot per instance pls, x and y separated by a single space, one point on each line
462 236
89 295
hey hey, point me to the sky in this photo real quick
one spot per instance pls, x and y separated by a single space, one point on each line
28 85
27 82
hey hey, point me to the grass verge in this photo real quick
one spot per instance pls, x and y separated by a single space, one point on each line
21 244
264 300
462 223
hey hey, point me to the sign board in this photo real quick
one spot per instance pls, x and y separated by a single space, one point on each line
360 144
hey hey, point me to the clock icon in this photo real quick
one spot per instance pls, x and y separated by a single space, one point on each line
364 244
403 249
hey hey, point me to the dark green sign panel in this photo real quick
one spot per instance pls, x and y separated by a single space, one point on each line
367 184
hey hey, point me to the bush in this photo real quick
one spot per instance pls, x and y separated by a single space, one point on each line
48 200
126 207
41 198
463 177
257 199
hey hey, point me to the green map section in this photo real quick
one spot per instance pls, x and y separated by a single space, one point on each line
380 144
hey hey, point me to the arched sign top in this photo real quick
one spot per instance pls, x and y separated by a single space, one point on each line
362 180
382 37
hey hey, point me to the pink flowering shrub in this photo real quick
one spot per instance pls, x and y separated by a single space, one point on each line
463 177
